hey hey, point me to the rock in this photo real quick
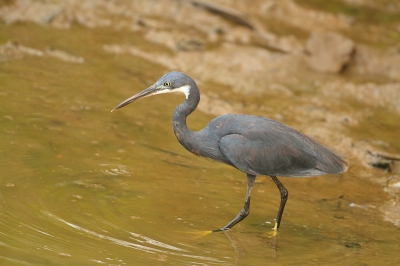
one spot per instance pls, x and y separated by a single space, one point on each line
212 104
391 212
225 12
9 51
328 52
174 40
250 69
293 13
386 95
279 90
393 182
395 168
370 61
23 10
64 56
13 50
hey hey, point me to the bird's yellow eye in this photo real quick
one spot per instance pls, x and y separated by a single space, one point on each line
167 84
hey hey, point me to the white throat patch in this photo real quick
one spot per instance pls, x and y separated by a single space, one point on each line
184 89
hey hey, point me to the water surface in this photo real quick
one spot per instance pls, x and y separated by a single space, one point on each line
82 186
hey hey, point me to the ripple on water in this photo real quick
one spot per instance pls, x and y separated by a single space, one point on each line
114 169
143 243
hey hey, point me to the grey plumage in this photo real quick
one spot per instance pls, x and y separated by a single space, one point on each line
254 145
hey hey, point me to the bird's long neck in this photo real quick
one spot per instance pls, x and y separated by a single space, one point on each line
182 132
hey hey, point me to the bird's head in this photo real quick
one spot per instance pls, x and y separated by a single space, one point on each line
170 82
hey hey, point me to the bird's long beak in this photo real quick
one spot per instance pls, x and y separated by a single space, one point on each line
147 92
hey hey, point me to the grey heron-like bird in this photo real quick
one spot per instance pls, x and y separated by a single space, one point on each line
254 145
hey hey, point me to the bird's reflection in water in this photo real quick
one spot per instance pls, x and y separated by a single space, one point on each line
270 238
239 248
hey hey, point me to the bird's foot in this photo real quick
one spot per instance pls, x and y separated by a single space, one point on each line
219 230
274 232
275 227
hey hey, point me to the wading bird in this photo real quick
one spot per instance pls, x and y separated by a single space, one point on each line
252 144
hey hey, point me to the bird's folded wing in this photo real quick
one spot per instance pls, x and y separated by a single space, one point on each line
271 154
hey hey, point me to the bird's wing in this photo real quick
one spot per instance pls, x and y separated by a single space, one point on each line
273 153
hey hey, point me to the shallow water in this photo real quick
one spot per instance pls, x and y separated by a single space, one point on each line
83 186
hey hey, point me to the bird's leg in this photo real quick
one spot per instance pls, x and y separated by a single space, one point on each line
246 208
284 196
